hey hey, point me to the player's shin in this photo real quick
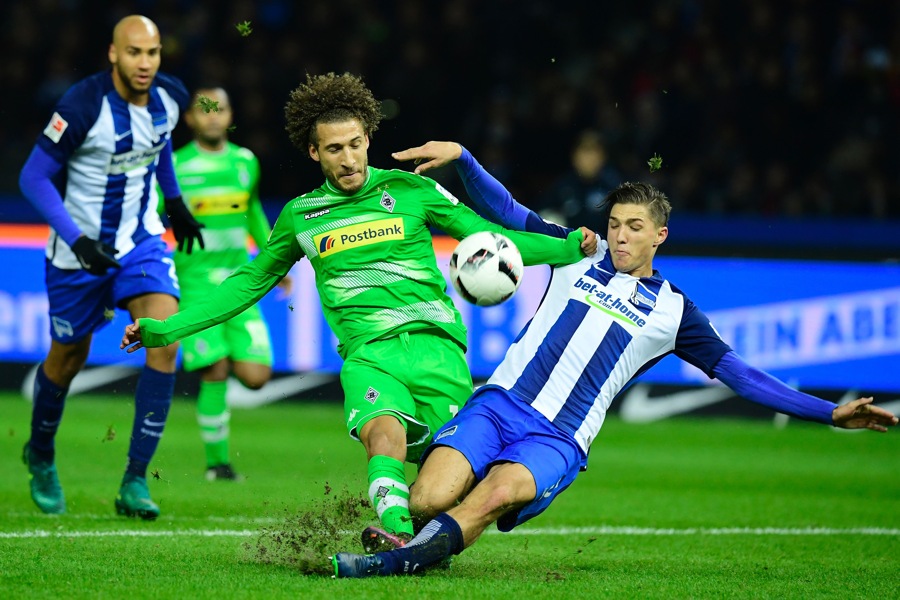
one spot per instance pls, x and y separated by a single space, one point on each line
152 400
214 418
440 538
389 494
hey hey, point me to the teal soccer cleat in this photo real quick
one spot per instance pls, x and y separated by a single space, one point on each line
134 499
355 565
45 488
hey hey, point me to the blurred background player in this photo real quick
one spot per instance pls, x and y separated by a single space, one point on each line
112 133
523 437
575 198
366 233
220 183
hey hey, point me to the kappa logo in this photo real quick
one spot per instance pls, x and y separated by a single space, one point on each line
446 433
318 213
388 202
353 413
372 395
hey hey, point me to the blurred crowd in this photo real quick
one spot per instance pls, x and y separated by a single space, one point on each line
755 107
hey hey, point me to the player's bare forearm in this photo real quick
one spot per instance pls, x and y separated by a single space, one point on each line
430 155
862 414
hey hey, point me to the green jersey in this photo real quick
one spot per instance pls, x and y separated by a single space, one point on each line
373 257
220 189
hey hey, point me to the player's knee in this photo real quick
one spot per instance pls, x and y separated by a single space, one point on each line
251 378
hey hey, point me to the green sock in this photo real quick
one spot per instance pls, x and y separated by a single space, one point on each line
390 494
213 417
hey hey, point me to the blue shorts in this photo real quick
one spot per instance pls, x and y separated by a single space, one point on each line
81 303
494 427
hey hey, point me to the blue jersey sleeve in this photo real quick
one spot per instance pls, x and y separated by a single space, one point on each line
760 387
36 183
697 341
165 173
74 115
175 88
495 203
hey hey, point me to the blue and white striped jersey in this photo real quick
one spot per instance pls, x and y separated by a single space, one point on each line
596 330
111 150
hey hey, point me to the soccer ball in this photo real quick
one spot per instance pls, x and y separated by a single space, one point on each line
486 268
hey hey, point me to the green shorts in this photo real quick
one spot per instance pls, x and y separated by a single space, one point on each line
422 378
243 338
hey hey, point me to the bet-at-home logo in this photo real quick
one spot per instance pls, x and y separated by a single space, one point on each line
356 236
609 304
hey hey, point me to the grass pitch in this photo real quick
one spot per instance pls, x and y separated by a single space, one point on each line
680 508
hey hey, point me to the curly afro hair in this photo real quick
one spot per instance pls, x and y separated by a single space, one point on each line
329 99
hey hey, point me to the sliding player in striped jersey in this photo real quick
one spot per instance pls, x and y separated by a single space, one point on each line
523 437
112 133
366 233
220 182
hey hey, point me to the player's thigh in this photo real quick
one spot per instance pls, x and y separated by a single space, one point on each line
152 305
371 389
445 478
554 460
146 285
248 339
79 303
439 378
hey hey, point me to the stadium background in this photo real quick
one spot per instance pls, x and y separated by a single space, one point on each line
776 122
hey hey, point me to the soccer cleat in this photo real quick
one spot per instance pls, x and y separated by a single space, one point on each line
134 499
355 565
222 473
375 539
45 488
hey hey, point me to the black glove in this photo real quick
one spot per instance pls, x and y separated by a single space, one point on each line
185 227
95 257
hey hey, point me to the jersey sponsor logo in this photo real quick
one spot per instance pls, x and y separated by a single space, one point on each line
318 213
446 194
220 204
133 159
359 235
62 327
610 304
56 127
388 202
372 395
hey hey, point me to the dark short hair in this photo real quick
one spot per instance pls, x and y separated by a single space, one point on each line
644 194
329 98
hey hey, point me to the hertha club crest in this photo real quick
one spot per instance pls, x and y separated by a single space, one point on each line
388 202
372 395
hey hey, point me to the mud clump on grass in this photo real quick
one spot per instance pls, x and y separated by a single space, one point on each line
308 536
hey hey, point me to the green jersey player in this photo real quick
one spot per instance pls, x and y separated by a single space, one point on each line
366 234
219 182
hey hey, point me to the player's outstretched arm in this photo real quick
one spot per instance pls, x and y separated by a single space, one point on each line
430 155
862 414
